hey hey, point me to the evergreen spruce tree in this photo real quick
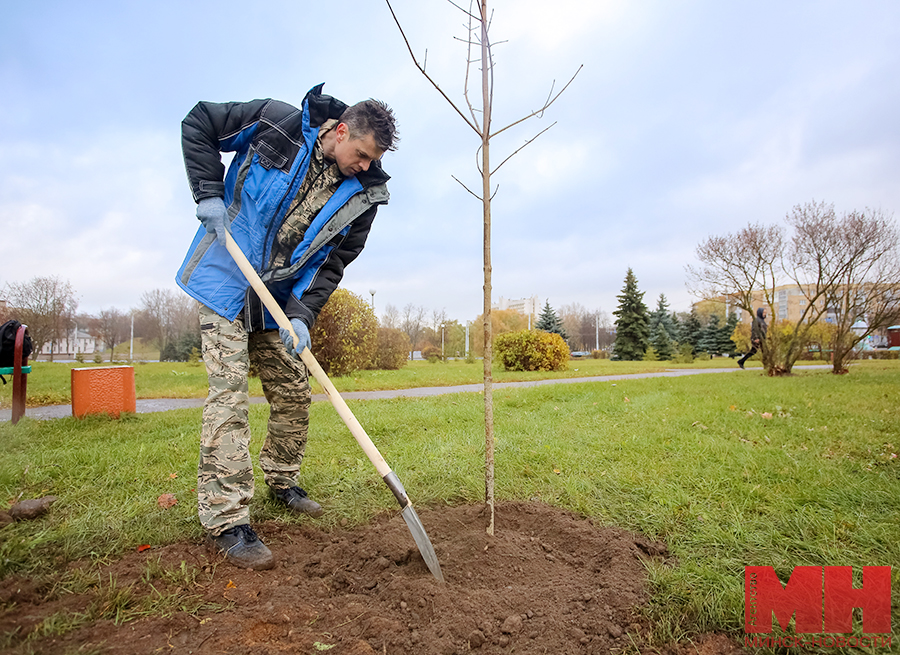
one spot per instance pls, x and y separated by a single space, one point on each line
689 331
676 327
661 316
726 345
632 324
549 321
711 336
661 343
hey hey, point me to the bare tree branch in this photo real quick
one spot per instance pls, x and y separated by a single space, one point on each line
543 108
467 188
522 146
427 76
467 13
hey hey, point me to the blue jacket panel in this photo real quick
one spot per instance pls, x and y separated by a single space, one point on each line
272 142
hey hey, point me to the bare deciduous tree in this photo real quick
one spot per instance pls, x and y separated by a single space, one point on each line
845 270
738 266
46 305
866 287
412 322
587 329
165 315
391 317
111 326
479 51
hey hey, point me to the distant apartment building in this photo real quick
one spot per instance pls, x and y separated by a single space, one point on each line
790 302
524 306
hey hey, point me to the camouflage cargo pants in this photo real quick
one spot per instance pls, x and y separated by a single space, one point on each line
225 475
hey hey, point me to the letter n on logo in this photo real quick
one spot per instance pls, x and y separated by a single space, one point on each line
764 594
874 598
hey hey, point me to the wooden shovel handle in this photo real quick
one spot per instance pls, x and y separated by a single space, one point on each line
307 357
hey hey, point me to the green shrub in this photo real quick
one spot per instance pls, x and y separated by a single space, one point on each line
650 355
532 350
391 349
685 354
98 358
345 334
431 353
79 357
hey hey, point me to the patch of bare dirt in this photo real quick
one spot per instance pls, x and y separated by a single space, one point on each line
548 582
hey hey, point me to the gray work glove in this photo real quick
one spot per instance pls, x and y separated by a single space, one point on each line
302 336
211 212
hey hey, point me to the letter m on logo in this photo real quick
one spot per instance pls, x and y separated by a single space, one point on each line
764 594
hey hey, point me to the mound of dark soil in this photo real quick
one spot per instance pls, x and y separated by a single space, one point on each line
548 582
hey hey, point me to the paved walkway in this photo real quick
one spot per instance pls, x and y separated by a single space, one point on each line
164 404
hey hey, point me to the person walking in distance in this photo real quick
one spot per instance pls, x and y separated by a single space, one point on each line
757 335
299 199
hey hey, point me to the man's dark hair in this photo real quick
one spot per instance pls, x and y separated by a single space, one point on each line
372 117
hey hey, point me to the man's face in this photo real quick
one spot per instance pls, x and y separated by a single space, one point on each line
354 155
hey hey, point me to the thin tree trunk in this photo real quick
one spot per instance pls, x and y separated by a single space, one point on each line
486 201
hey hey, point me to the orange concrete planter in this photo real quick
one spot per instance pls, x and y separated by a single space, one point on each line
103 390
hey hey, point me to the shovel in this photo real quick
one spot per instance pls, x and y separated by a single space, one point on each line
390 478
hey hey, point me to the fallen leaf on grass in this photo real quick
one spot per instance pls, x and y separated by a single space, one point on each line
698 424
557 471
141 549
166 501
732 408
766 415
231 585
173 475
627 399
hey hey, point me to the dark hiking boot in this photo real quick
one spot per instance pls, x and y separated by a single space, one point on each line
243 548
741 363
297 500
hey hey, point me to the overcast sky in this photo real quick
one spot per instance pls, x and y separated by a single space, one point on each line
689 118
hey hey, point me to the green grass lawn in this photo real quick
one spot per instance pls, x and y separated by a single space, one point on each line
729 470
50 382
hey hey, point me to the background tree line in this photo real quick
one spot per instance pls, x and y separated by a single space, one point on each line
661 334
165 319
845 268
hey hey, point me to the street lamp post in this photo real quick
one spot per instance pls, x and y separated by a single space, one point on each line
442 342
372 291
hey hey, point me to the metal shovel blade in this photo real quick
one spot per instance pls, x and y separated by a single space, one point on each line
422 541
415 525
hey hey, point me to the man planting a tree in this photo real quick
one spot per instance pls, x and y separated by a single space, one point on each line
299 199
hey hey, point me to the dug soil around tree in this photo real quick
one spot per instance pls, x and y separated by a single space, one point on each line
548 582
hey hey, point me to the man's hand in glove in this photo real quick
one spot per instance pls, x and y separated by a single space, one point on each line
302 336
211 212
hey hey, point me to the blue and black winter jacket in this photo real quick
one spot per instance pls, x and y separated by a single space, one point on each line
272 142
